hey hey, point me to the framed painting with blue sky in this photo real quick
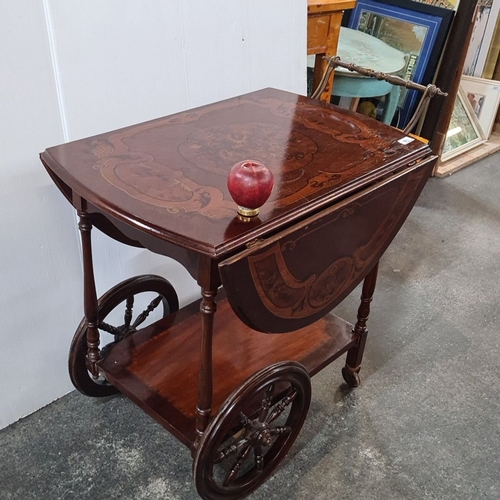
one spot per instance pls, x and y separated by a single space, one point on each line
417 29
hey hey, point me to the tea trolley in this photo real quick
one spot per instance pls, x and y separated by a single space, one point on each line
229 375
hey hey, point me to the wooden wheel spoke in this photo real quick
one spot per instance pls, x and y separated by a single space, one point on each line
233 472
259 458
128 311
266 403
144 314
231 450
282 406
280 429
245 421
110 329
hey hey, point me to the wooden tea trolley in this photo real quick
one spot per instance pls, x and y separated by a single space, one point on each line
229 375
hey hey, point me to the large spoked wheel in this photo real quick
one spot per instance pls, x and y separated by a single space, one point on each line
122 310
252 432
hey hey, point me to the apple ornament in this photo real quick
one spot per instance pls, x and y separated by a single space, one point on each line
250 184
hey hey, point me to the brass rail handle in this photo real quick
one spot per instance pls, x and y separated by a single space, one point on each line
429 90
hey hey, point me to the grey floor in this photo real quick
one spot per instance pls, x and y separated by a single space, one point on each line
424 424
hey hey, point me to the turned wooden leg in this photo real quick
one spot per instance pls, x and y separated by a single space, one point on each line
350 372
89 294
204 407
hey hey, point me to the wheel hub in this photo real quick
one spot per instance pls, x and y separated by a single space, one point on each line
125 331
259 434
264 437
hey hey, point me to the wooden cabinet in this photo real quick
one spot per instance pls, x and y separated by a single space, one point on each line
323 29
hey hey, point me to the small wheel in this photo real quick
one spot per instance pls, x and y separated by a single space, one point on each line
351 376
252 432
125 293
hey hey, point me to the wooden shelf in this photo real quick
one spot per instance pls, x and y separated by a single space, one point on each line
158 367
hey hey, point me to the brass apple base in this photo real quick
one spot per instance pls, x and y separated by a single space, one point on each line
248 212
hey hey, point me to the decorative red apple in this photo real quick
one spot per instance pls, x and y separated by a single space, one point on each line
250 184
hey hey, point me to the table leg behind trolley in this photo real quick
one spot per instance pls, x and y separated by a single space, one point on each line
350 372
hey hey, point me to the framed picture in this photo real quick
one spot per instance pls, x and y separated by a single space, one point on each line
484 97
493 52
464 132
417 29
447 4
482 35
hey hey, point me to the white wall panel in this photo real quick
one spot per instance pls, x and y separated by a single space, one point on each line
71 69
247 45
119 62
40 272
125 61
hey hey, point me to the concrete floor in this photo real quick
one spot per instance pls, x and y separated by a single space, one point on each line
424 424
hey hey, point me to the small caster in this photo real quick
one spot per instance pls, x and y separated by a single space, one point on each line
351 376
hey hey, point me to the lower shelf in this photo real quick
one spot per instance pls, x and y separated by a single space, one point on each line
157 367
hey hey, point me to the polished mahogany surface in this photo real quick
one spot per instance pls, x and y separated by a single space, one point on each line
168 177
292 279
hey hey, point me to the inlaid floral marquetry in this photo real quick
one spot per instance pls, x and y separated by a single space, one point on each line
172 172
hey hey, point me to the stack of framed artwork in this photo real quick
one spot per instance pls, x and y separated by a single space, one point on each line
419 28
475 110
477 103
